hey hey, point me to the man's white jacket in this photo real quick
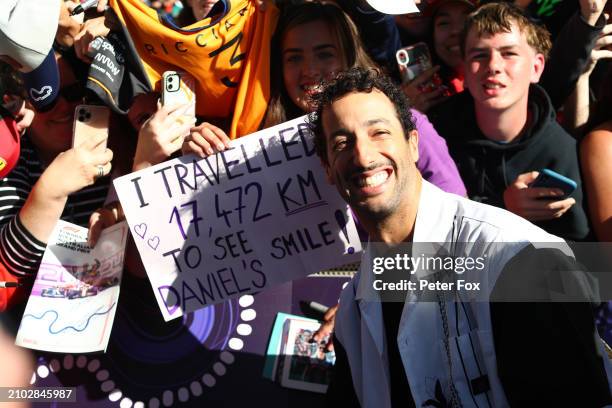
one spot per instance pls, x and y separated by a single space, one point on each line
429 335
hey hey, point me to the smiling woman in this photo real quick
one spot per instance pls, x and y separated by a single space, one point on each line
50 181
448 20
310 54
313 42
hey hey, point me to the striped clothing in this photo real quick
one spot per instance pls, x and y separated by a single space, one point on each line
20 251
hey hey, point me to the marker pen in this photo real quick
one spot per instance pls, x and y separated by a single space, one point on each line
318 307
86 5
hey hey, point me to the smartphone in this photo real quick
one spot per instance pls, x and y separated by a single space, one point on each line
551 179
90 120
178 88
417 59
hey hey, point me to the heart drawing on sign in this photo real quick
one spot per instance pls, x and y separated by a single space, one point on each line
153 242
140 230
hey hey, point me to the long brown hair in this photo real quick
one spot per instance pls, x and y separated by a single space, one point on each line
281 108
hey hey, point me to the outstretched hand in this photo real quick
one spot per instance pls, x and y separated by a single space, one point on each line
327 328
78 167
205 140
601 50
420 98
92 28
103 218
161 135
535 203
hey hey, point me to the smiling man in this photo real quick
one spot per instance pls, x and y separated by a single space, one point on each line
503 131
448 350
377 187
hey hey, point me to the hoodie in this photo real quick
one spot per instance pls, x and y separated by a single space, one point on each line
487 167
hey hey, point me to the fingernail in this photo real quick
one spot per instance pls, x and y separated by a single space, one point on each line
220 147
210 151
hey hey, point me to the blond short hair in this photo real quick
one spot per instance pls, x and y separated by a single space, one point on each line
495 18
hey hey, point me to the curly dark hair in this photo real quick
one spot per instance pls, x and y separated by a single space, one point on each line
357 80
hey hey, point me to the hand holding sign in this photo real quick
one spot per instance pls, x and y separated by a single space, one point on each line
205 139
161 135
254 215
103 218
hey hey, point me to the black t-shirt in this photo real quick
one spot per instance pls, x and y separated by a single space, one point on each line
401 396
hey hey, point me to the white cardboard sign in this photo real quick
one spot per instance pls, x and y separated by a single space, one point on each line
258 214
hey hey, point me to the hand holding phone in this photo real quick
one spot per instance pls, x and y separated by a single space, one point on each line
552 179
420 99
89 122
178 88
415 59
536 203
420 80
88 159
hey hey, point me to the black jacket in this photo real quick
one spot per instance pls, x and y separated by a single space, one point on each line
488 167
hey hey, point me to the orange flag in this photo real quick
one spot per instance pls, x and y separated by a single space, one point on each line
229 57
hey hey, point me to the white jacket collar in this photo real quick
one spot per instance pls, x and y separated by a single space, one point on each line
434 215
436 212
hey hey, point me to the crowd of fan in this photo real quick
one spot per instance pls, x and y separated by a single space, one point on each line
468 145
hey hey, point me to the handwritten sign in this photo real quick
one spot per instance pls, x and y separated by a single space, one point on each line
74 299
255 215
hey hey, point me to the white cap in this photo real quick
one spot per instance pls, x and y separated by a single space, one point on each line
27 30
394 6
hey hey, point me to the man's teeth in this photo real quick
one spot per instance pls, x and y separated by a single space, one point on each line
492 86
454 48
373 181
